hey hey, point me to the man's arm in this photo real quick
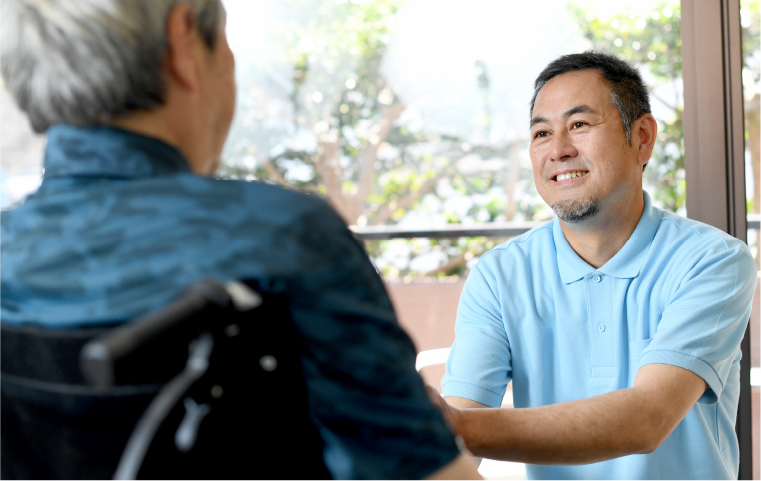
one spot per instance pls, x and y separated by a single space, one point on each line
365 396
462 403
462 467
628 421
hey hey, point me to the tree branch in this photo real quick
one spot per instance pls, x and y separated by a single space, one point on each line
753 105
512 178
385 214
368 155
451 264
277 176
330 173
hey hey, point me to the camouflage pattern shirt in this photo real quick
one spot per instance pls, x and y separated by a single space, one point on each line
120 225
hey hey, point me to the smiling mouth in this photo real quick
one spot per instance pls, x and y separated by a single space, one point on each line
569 175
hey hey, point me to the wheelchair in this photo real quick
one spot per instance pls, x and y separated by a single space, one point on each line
210 387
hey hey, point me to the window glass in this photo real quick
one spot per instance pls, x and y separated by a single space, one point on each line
751 76
20 153
412 114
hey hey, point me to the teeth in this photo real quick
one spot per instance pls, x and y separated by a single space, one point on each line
570 175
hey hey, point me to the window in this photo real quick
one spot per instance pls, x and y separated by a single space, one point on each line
412 119
751 76
408 115
21 152
412 115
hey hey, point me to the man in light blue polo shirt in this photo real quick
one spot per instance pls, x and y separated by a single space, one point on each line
618 323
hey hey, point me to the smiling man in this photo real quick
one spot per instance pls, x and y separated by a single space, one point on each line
618 323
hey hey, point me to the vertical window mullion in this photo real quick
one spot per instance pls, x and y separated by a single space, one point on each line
714 146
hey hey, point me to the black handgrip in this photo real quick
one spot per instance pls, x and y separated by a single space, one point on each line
101 358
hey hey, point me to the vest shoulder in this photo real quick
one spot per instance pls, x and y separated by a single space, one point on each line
256 195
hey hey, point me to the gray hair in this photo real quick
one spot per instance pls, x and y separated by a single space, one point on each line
83 62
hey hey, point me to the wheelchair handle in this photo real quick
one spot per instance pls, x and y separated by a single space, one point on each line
101 358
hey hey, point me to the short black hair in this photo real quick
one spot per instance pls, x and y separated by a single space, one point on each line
628 93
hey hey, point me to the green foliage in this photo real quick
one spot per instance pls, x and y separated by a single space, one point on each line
459 252
653 44
334 51
338 96
751 26
749 13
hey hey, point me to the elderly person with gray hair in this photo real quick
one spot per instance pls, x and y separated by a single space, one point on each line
136 98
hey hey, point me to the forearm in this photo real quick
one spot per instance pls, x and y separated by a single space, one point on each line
577 432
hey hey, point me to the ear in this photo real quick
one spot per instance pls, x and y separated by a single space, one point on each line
644 130
181 61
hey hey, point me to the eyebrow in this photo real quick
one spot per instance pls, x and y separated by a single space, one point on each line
579 109
538 120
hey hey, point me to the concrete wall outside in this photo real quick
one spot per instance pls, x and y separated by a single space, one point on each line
427 311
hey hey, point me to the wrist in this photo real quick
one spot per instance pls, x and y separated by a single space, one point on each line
458 419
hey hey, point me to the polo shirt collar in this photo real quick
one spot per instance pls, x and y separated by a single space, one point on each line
100 151
627 262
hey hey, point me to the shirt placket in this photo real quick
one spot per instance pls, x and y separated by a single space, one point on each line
602 331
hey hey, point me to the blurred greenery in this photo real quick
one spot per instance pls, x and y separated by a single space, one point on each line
751 27
751 23
653 44
372 169
376 170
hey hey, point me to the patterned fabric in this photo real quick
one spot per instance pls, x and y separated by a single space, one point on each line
120 225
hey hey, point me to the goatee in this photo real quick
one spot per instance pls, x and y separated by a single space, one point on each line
573 211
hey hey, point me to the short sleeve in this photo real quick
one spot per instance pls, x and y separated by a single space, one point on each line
705 320
365 395
479 364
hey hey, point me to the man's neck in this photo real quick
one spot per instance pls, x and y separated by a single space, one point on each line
173 124
149 124
598 239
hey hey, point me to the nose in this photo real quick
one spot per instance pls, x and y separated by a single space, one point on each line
562 148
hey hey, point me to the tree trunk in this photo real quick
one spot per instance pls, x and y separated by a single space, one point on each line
368 155
330 174
513 175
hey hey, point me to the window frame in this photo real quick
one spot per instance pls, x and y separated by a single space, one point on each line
714 148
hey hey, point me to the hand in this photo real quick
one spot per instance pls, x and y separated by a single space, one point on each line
449 412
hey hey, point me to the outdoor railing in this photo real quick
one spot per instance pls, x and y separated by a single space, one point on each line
754 221
494 229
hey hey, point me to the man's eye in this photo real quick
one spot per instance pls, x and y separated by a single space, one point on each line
578 125
541 133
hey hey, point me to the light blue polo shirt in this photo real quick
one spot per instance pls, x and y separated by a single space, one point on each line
679 292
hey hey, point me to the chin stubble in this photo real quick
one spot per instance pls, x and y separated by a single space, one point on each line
572 211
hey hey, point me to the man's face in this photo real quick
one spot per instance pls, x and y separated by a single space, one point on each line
220 77
579 153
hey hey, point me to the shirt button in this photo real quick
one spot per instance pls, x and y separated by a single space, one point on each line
597 278
601 327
